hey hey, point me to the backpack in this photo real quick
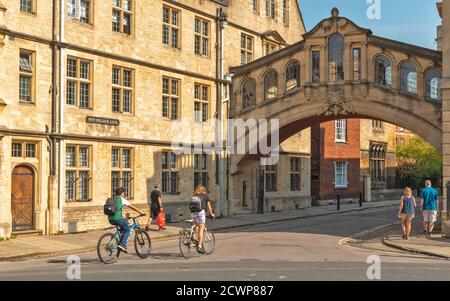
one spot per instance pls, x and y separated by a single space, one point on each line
111 207
196 204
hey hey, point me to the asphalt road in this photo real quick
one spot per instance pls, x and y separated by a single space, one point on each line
305 249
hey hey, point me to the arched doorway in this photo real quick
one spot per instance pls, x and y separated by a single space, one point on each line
22 198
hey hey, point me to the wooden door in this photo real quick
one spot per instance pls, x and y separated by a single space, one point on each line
22 198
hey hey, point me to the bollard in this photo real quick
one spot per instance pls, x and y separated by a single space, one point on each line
338 202
360 200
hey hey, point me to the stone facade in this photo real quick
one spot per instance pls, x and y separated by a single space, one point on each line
143 131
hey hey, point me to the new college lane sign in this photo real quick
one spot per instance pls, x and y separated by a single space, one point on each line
102 121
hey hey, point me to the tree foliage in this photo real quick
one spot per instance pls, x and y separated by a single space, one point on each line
419 161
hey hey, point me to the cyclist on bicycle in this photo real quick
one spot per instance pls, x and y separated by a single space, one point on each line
199 214
118 220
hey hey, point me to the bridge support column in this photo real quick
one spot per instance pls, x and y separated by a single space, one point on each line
446 110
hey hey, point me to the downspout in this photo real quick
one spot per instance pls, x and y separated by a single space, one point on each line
61 116
219 77
52 141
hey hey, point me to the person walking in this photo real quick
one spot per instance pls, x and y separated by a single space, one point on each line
156 206
429 207
407 211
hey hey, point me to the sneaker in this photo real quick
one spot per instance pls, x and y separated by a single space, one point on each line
123 249
428 235
162 229
404 236
200 250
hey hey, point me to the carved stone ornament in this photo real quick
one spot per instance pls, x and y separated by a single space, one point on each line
336 104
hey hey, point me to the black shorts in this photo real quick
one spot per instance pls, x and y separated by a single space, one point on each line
155 212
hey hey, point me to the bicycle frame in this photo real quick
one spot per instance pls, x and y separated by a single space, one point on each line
133 227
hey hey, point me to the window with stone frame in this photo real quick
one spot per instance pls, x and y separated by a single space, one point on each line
246 49
270 6
27 6
122 16
78 173
336 57
255 6
170 173
170 97
201 103
122 170
79 83
248 93
80 10
433 84
171 27
377 156
270 47
26 76
201 176
383 71
340 174
271 177
122 90
292 76
295 174
408 78
24 149
356 53
377 125
315 57
201 37
271 85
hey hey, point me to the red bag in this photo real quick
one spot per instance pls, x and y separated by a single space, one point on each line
161 220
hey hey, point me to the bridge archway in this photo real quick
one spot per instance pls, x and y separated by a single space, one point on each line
401 93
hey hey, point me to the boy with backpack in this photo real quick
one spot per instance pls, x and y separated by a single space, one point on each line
113 209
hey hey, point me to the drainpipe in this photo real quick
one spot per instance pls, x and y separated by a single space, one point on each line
52 141
220 23
61 116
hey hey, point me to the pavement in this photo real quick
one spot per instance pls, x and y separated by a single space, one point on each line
37 246
436 246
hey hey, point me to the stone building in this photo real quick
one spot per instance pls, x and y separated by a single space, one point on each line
444 46
93 94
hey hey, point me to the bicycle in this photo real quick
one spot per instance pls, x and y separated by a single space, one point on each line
188 240
109 242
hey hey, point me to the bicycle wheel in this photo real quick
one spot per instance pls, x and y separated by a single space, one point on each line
142 244
187 246
209 243
107 250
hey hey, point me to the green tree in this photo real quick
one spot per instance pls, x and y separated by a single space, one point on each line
418 161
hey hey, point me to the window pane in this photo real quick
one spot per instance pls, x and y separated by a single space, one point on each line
70 156
126 158
197 112
84 95
165 160
71 68
116 76
25 88
70 185
115 158
31 150
17 150
127 24
115 182
25 63
127 78
116 21
127 180
84 70
84 12
116 100
316 66
83 157
83 186
174 108
127 101
165 107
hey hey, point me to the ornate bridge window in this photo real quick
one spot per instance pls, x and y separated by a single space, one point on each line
378 164
271 85
292 76
383 71
433 84
315 66
408 78
336 57
248 93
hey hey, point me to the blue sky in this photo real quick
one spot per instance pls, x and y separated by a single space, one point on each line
409 21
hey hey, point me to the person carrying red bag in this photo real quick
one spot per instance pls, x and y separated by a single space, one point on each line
156 209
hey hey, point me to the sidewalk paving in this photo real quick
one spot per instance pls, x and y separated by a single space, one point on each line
436 246
36 246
